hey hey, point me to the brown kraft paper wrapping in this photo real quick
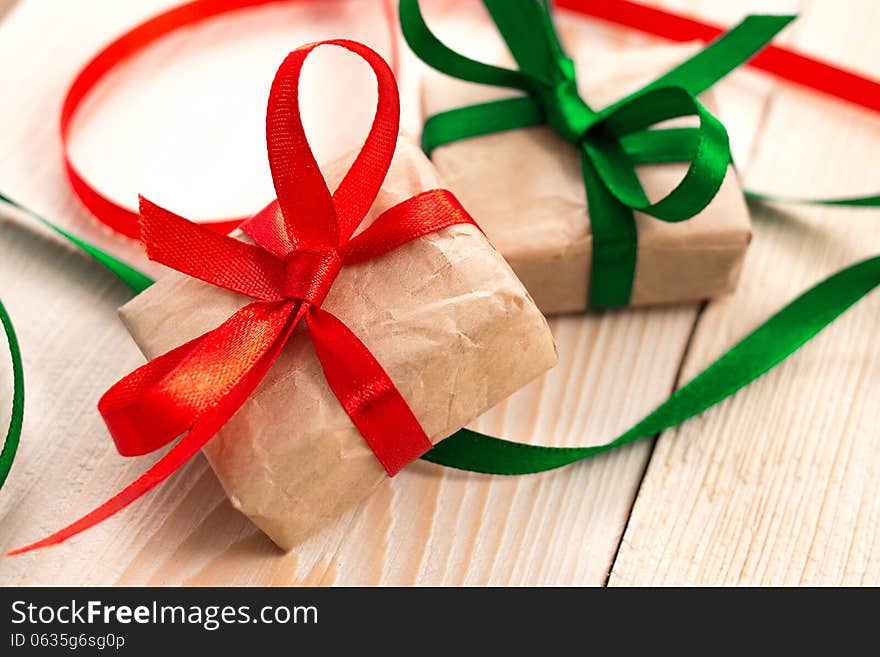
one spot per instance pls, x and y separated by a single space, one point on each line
524 188
444 315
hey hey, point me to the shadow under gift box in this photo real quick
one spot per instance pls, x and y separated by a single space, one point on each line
525 188
444 315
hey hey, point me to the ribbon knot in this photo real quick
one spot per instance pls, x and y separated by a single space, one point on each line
567 113
302 240
309 274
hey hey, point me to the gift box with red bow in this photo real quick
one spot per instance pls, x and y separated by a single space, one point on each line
330 343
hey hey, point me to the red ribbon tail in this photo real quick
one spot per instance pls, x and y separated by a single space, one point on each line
782 62
367 393
206 426
195 250
165 467
137 431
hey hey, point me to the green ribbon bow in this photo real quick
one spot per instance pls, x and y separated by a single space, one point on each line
611 141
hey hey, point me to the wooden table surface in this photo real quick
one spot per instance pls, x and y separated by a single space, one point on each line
778 485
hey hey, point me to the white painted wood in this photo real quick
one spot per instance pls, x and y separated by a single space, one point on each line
781 484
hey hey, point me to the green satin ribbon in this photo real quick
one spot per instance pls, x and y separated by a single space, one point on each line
852 201
757 353
16 419
611 141
136 280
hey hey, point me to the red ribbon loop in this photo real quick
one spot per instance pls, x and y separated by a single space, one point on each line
118 217
302 242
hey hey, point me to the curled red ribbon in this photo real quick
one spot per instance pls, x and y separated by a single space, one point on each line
118 217
302 239
782 62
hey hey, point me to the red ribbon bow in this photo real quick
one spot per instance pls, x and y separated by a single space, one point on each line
303 239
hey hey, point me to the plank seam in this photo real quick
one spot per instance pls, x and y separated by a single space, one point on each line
676 383
761 128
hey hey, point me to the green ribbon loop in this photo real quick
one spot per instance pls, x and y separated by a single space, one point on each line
612 141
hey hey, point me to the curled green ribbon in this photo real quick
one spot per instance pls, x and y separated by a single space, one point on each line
757 353
16 418
760 351
872 201
611 141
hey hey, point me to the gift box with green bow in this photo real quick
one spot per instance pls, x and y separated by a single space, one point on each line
605 184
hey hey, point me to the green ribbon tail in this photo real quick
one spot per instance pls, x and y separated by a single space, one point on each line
135 279
853 201
16 419
760 351
724 55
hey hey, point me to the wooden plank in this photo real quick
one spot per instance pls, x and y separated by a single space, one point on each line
780 484
428 526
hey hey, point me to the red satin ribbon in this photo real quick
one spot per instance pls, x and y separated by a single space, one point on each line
303 239
118 217
782 62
